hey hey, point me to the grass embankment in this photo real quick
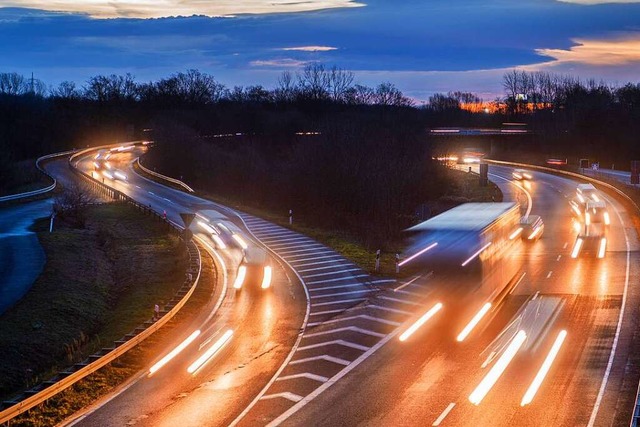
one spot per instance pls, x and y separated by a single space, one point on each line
98 284
464 187
105 380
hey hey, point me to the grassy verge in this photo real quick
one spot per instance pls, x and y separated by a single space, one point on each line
464 187
97 285
105 380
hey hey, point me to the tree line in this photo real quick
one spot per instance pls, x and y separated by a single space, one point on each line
339 153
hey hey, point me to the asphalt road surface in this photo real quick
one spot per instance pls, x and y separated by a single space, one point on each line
348 367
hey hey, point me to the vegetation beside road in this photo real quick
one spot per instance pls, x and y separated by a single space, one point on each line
464 187
98 284
107 379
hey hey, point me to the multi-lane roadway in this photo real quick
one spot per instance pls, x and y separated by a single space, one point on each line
321 346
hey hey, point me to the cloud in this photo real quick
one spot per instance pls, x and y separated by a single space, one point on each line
285 62
164 8
595 2
613 52
311 48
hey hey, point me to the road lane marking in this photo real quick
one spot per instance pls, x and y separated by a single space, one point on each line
295 245
391 310
549 275
517 283
402 301
326 288
287 395
299 405
307 375
489 359
404 285
535 296
332 272
607 372
295 262
343 293
360 316
565 245
339 279
276 236
559 256
326 357
334 342
290 252
307 270
344 301
443 415
346 328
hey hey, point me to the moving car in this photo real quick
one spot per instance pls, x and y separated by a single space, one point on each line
521 174
532 227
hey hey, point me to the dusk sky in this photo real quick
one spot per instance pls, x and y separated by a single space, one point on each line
422 46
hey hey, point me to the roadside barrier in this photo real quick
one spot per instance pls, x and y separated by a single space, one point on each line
166 178
75 373
41 190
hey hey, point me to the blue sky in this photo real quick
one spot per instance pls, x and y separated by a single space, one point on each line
423 46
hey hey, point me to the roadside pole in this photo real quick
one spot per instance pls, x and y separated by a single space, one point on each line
290 216
377 260
53 215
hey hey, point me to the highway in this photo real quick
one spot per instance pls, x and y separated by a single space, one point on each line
348 366
429 379
268 365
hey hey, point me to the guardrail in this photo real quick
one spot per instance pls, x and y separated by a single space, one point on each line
570 174
166 178
635 418
67 378
41 190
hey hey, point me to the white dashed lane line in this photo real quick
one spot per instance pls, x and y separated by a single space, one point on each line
335 285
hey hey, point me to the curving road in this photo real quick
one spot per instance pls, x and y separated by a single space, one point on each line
428 380
347 366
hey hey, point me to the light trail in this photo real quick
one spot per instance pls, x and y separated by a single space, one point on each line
603 247
107 174
515 233
414 256
173 353
206 227
544 369
266 279
240 241
535 233
471 258
406 334
210 352
498 369
474 322
218 241
242 272
576 210
576 248
120 175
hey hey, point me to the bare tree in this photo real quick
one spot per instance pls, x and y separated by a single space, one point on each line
314 81
12 84
72 204
286 88
339 82
387 94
